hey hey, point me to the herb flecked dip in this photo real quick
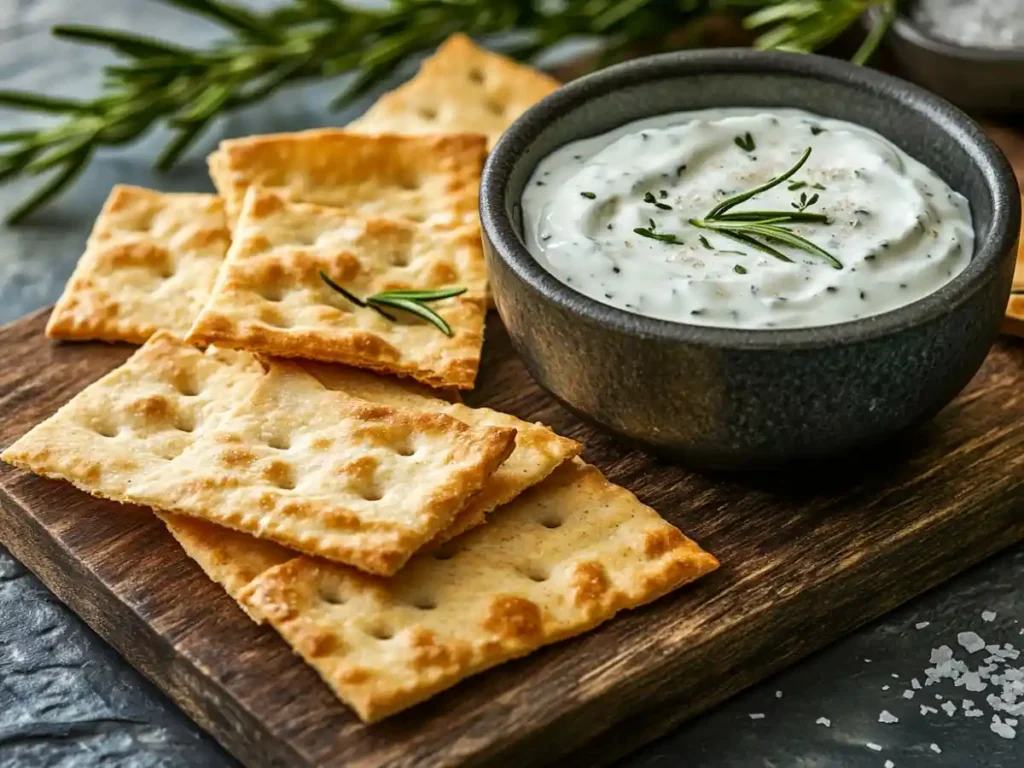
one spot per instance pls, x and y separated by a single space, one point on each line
745 219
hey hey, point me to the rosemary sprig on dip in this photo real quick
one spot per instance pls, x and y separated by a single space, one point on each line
412 301
753 228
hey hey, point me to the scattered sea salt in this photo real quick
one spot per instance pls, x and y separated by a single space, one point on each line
1002 729
949 708
872 745
890 764
914 684
756 715
778 694
885 687
885 716
935 748
824 721
908 694
969 641
925 709
941 654
988 615
894 676
921 624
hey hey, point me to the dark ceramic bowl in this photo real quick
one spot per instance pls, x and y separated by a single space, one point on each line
989 80
725 398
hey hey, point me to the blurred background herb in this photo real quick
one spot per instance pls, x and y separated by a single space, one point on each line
361 45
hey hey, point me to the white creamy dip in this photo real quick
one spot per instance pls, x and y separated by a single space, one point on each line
897 229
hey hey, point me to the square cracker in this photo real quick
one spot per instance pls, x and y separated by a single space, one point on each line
270 297
537 453
562 558
149 264
138 417
215 436
460 88
328 474
430 179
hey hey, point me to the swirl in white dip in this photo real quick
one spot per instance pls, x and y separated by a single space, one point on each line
899 231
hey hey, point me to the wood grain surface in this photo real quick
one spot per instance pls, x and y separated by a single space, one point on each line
806 557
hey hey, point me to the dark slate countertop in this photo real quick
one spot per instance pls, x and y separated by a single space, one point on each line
67 699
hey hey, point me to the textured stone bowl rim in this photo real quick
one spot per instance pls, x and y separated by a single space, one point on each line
987 157
914 34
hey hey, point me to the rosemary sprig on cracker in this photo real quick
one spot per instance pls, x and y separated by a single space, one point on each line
412 301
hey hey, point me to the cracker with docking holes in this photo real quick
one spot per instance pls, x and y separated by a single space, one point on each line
538 452
428 179
138 417
149 265
275 453
460 88
271 296
328 474
562 558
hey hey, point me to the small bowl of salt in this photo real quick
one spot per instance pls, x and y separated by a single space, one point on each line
970 52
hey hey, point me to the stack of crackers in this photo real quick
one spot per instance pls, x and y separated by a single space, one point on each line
308 452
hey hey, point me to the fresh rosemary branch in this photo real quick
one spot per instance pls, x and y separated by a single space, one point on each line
188 88
753 228
412 301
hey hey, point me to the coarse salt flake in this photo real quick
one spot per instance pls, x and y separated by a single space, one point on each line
988 615
889 764
756 715
872 745
921 624
824 721
935 748
949 708
970 642
885 716
908 694
1002 729
941 654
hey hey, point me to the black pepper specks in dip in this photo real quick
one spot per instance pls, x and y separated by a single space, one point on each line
630 197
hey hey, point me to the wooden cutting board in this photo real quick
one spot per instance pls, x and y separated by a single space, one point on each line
806 557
